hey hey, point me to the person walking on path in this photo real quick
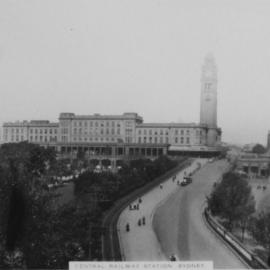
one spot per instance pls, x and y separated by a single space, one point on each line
143 221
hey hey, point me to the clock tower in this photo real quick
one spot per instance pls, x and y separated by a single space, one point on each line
208 113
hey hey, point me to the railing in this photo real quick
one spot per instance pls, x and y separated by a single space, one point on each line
249 257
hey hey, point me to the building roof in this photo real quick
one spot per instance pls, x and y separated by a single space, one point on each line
170 125
32 123
128 115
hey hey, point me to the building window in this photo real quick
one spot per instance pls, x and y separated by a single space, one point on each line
161 140
176 140
182 132
156 139
182 140
188 140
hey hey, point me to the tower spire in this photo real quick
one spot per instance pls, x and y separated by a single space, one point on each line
208 112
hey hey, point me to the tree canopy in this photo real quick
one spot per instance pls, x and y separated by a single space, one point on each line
258 149
232 199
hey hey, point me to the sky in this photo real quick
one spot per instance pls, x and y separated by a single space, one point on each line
144 56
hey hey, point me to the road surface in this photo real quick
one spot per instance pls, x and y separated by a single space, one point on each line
180 228
141 243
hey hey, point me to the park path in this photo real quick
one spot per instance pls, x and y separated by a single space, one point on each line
141 243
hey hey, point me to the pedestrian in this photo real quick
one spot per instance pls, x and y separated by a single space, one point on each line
130 207
139 222
161 186
143 220
127 227
140 200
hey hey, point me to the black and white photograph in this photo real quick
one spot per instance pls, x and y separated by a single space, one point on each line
134 131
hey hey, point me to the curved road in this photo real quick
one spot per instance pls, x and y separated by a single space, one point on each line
180 228
141 243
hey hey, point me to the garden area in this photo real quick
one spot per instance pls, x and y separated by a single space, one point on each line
34 233
240 206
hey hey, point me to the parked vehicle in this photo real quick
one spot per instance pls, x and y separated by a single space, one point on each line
187 180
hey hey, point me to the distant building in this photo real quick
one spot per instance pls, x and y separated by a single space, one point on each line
254 165
248 148
89 130
41 132
268 140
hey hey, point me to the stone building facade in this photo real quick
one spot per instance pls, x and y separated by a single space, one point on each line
128 128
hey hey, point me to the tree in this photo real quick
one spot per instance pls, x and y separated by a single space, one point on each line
258 149
232 200
21 188
260 229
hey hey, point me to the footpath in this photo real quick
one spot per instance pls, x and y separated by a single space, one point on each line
139 242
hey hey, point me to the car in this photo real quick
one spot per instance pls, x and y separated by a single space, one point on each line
187 180
172 258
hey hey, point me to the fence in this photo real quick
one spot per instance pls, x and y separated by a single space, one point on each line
249 257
